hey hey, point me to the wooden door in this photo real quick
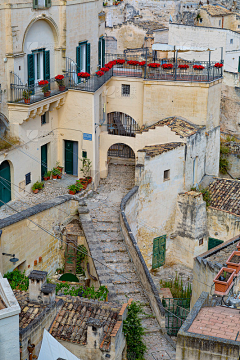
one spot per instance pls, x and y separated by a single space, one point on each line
159 250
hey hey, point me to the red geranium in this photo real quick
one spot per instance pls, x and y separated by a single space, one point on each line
83 74
43 82
154 65
198 67
105 69
113 62
218 65
133 62
167 66
109 65
142 63
183 66
120 61
59 77
100 73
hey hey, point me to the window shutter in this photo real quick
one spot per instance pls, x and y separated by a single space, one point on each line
99 52
35 4
31 70
47 3
103 51
88 57
46 59
78 57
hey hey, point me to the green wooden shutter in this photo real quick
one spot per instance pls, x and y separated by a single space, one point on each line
46 59
103 51
212 243
88 53
47 3
239 64
78 57
35 4
159 249
99 52
31 70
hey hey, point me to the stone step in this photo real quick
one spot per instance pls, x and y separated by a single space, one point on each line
117 261
114 251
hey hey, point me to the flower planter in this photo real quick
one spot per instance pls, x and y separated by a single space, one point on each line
45 178
47 93
72 192
54 177
62 88
220 285
89 179
35 191
59 176
238 246
60 168
233 262
27 101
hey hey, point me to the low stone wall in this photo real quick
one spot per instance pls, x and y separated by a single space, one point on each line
141 267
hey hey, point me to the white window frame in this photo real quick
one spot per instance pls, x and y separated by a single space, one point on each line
41 73
83 59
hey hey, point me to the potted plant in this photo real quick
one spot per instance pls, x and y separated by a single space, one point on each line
60 168
72 189
45 176
238 246
89 179
60 81
233 262
26 95
86 167
224 279
78 186
55 173
44 84
34 189
198 67
100 73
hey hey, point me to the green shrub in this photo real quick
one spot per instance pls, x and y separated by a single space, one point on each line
17 280
224 149
177 289
223 165
81 255
206 195
88 292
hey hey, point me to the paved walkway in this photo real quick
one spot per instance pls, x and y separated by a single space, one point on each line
104 209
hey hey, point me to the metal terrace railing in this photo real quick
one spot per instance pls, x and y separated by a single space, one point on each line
208 73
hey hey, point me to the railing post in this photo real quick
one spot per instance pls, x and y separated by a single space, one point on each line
145 66
176 65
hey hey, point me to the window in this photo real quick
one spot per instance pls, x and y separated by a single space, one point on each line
231 41
166 175
40 4
125 90
45 118
101 52
200 242
28 178
200 20
38 66
220 22
84 154
83 57
238 26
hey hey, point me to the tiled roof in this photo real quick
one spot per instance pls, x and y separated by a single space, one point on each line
180 126
225 195
219 321
72 320
154 150
215 10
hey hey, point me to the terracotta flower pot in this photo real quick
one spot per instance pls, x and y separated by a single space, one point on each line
222 286
54 177
62 87
89 178
72 192
47 93
59 176
60 169
35 191
27 101
45 178
236 264
238 246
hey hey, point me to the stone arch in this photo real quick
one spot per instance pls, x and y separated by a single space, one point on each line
121 150
50 22
4 123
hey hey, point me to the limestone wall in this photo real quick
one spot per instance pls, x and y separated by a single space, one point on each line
24 238
222 225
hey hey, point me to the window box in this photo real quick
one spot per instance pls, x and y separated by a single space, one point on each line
221 284
233 262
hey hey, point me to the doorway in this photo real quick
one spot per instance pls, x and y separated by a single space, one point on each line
43 160
5 186
71 157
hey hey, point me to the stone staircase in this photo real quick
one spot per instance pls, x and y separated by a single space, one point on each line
123 282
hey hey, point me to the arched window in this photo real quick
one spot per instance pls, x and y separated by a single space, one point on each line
119 123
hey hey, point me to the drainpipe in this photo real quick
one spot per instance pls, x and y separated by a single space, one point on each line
31 348
222 21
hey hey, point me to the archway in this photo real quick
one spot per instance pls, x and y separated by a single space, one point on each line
121 150
5 183
119 123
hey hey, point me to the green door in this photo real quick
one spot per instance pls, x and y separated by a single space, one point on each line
69 157
239 64
5 186
212 243
43 160
159 249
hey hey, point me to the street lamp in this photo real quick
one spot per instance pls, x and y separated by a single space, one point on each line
13 259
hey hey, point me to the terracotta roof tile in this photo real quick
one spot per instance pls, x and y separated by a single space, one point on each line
154 150
225 195
215 10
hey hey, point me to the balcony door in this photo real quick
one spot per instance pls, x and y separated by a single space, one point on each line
44 159
38 66
5 183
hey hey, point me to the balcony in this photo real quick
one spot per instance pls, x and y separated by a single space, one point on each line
166 70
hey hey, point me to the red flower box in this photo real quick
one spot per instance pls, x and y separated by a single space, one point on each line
120 61
133 62
109 66
154 65
198 67
100 73
142 63
183 66
167 66
105 69
83 74
222 286
218 65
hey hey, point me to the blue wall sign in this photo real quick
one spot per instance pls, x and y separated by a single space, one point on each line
87 136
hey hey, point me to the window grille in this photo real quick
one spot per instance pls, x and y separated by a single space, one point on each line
28 178
125 90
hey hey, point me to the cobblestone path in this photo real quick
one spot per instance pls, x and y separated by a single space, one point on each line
104 208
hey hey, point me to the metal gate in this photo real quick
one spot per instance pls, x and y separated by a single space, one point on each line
176 313
159 249
121 150
122 124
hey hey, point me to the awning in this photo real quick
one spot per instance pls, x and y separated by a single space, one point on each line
51 349
166 47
